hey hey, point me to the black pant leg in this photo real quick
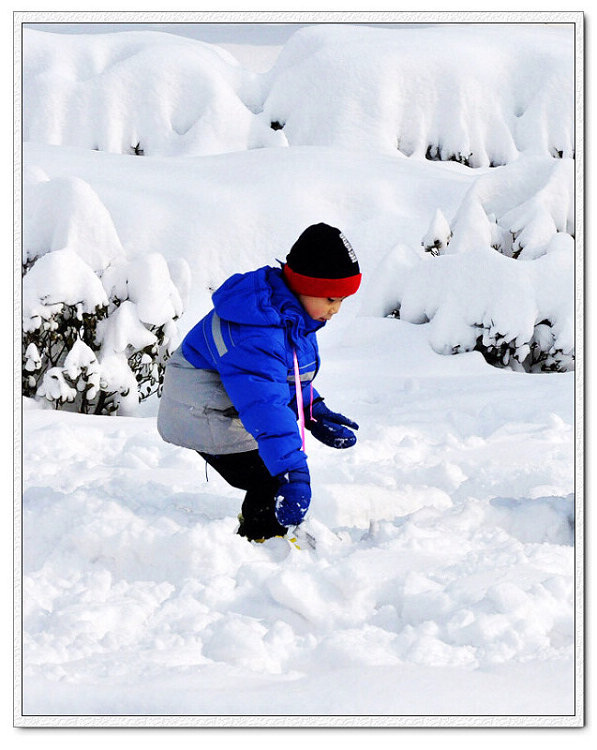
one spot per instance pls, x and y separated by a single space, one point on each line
246 471
241 470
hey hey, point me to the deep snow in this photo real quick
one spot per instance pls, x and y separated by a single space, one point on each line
444 578
442 582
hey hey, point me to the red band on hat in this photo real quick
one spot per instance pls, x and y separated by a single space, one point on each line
314 287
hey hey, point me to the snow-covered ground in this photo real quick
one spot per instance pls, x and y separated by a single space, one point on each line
444 579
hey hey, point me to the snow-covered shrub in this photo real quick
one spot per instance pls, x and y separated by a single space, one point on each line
67 212
482 95
541 354
404 90
97 327
139 93
398 91
504 285
438 236
95 355
523 210
519 315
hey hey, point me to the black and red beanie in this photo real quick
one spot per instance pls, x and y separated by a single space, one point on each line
322 263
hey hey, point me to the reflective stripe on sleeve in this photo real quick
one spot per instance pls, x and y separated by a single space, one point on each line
216 332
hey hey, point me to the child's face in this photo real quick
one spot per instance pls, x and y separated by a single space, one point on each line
321 308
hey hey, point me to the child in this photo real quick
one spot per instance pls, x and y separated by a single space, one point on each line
231 392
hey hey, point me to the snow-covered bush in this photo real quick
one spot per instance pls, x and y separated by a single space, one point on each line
524 210
398 91
140 94
97 356
97 327
438 236
349 103
504 284
404 90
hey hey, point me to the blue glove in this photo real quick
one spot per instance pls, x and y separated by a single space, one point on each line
293 497
329 427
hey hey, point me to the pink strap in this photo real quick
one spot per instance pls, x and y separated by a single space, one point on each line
299 397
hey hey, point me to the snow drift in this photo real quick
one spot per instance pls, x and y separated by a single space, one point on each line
344 86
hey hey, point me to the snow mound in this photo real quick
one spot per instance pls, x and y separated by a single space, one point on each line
66 211
400 92
481 293
466 307
356 87
142 93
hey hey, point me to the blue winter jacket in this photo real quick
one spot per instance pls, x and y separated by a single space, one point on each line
249 338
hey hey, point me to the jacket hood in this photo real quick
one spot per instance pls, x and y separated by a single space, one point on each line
262 298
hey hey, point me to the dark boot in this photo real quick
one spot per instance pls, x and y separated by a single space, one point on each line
247 471
258 521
